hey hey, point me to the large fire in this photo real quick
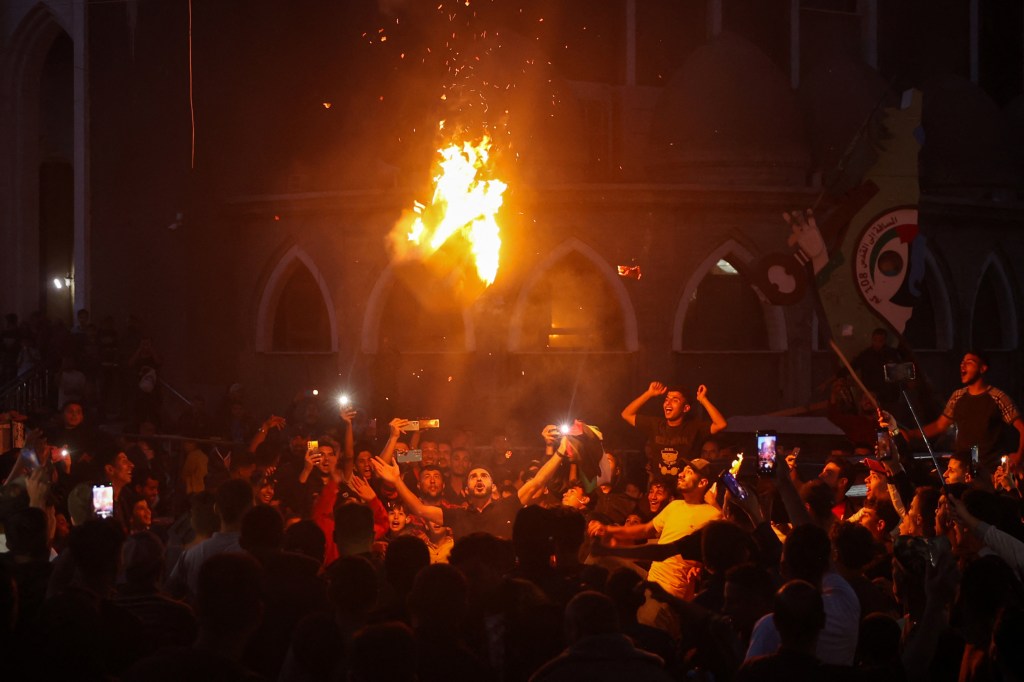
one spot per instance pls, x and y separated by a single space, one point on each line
465 202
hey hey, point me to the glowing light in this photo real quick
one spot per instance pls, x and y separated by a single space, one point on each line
57 284
734 468
466 201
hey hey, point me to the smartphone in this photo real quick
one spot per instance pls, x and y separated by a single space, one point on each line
860 490
883 444
103 501
312 445
974 460
30 459
420 424
766 442
733 486
897 372
409 456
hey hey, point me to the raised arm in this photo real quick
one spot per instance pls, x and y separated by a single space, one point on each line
640 531
932 430
388 453
535 485
655 389
718 422
389 472
347 457
795 509
272 422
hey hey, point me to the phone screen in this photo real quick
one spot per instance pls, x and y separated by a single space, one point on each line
860 490
409 456
103 501
766 441
883 444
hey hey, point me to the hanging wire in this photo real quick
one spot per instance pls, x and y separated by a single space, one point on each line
191 101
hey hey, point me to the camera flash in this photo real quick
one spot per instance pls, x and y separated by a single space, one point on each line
565 429
343 400
316 392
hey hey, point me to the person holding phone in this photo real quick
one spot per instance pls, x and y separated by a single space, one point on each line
675 438
117 472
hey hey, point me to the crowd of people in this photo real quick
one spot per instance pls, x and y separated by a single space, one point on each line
302 546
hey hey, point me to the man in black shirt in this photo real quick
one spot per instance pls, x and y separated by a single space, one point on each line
676 439
483 513
981 413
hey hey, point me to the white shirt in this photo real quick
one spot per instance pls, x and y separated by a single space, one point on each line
837 643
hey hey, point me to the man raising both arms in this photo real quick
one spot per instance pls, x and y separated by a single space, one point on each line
981 413
483 512
677 437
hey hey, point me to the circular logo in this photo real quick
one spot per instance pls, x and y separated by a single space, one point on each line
889 263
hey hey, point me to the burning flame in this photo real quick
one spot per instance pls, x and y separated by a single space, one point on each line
465 202
734 468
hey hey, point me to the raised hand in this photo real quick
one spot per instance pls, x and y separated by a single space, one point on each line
361 488
387 472
807 237
397 426
656 388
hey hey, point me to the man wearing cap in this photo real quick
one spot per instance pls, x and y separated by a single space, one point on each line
981 413
681 517
887 486
677 437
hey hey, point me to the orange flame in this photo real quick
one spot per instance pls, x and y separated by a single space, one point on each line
736 464
466 202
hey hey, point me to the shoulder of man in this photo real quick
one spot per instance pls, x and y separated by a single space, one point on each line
1006 405
648 423
953 399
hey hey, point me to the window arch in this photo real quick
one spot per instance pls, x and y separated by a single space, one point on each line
722 311
994 313
296 314
412 318
41 71
930 326
573 301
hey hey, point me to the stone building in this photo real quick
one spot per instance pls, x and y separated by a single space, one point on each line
230 172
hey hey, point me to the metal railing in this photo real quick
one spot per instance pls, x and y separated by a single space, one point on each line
29 393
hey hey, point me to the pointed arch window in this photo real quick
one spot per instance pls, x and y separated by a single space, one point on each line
725 313
571 306
930 326
993 317
301 321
